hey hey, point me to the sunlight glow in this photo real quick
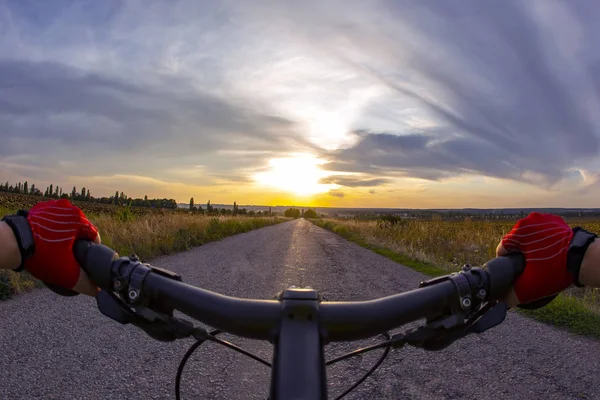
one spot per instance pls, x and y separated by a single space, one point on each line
299 175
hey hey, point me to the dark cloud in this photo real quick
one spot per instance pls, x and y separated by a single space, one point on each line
53 112
511 86
336 193
355 182
434 158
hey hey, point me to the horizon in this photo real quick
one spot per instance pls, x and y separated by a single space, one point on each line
339 104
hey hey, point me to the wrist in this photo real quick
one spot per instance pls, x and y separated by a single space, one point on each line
589 274
10 255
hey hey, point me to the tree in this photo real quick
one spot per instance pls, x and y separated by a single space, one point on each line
88 197
32 190
56 192
192 204
292 213
25 187
310 213
235 208
117 197
209 208
73 193
60 194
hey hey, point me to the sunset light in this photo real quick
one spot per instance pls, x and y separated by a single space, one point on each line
299 175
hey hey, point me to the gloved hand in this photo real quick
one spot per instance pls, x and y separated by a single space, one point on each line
56 225
544 240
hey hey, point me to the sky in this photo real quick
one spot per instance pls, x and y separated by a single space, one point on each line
429 104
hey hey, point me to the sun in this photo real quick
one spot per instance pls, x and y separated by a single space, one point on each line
299 174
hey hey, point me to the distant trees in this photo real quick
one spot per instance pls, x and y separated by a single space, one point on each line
292 213
55 192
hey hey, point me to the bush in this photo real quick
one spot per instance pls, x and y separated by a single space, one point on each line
292 213
310 213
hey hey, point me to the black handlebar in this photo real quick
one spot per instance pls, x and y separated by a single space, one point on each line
299 324
259 319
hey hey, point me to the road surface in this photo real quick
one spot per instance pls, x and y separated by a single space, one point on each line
63 348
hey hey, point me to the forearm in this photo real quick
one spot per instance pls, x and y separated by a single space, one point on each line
589 274
10 257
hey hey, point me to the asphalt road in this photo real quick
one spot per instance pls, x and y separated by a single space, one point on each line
63 348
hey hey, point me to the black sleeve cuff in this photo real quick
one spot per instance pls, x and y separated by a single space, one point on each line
23 234
579 244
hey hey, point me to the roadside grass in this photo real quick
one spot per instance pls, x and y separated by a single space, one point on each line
575 309
148 236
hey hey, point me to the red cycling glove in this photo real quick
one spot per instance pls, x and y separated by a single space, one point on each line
544 240
56 225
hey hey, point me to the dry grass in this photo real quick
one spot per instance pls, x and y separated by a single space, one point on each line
149 236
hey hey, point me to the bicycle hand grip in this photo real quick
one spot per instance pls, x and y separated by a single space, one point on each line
503 273
96 260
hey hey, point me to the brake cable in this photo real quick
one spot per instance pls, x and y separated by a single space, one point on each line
387 345
203 336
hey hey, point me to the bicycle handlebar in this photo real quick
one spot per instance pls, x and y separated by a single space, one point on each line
299 324
340 321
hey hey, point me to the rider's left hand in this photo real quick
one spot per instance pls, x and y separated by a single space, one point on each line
56 226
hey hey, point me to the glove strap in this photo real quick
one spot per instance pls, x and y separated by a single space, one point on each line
579 244
23 234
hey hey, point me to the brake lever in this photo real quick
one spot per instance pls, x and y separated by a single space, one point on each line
441 333
491 318
158 325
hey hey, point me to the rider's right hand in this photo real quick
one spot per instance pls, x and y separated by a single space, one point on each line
544 240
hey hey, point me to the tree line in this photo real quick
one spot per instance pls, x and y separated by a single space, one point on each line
209 209
120 198
296 213
56 192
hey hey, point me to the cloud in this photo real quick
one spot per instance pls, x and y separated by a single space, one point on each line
381 89
52 112
336 193
372 191
510 87
354 182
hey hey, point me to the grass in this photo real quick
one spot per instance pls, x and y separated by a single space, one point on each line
439 247
148 236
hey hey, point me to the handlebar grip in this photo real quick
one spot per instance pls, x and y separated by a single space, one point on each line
96 260
503 273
